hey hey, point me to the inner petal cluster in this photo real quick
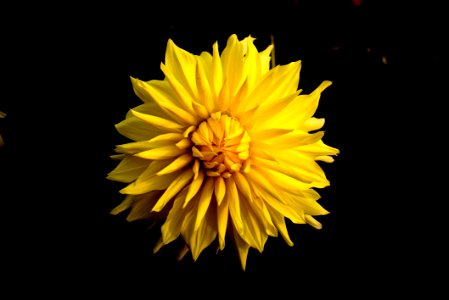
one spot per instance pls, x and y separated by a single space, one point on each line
222 145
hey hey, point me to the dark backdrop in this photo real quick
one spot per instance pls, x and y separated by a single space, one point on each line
66 84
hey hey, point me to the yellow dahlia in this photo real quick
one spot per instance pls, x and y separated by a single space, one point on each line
224 145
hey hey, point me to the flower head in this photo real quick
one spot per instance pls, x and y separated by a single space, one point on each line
223 146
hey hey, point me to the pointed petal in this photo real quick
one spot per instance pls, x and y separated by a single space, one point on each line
177 164
183 252
142 206
160 123
233 64
161 153
243 185
242 248
220 189
222 222
217 73
313 222
205 234
124 205
204 88
182 65
313 124
279 222
171 228
150 184
204 201
233 199
166 101
136 129
128 169
194 187
254 233
173 189
278 83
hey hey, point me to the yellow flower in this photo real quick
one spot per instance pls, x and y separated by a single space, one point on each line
223 146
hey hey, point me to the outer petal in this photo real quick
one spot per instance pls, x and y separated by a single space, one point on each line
167 101
128 169
199 239
279 222
182 65
173 189
222 222
241 246
277 84
172 226
233 64
136 129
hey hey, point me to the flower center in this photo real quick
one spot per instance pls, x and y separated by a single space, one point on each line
222 145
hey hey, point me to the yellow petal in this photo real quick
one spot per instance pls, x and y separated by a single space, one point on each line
233 62
149 181
172 226
325 158
167 102
145 186
204 87
204 201
293 139
184 144
128 169
137 130
263 215
300 110
254 233
278 83
161 153
194 187
233 199
297 166
243 186
281 180
312 124
313 222
205 234
305 204
242 248
279 222
222 222
265 58
126 203
142 206
182 65
318 149
260 114
158 246
220 189
277 204
251 65
173 189
217 73
158 122
199 239
183 252
183 94
177 164
134 147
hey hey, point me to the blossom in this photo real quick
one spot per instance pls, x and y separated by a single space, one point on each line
223 146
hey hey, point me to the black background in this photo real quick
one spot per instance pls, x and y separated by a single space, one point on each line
66 83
